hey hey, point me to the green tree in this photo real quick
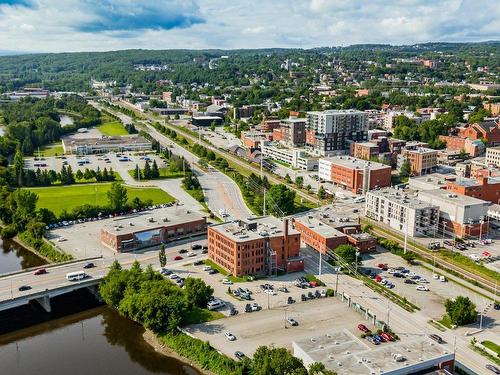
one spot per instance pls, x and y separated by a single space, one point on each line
280 199
79 175
276 361
318 368
288 179
155 171
19 166
22 206
321 192
36 229
299 181
117 196
162 256
146 172
405 170
347 253
197 292
461 310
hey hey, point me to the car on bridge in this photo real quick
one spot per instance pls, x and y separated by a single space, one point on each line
89 265
23 288
40 271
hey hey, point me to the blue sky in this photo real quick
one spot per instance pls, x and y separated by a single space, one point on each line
97 25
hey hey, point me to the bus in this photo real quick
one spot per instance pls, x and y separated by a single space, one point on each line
75 276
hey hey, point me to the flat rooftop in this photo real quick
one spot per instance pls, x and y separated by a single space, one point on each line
470 182
368 144
147 220
354 163
422 150
344 353
253 228
446 196
319 226
107 140
402 197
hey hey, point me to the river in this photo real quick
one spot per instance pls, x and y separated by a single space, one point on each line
78 337
14 258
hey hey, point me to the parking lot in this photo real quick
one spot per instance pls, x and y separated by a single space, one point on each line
431 301
121 164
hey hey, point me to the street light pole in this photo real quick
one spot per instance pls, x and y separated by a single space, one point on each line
319 268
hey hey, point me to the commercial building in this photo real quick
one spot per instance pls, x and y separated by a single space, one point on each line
318 235
489 131
295 157
493 156
128 233
269 124
345 354
402 212
253 139
331 131
31 92
354 174
206 120
430 182
258 246
460 214
483 187
422 160
84 146
473 147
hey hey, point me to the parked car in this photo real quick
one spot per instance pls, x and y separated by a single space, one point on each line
256 306
23 288
290 300
422 288
40 271
207 268
182 251
230 336
198 262
173 276
410 281
303 297
248 308
363 328
310 295
386 336
436 338
195 247
191 254
178 257
89 265
239 355
212 272
233 311
227 282
292 322
215 304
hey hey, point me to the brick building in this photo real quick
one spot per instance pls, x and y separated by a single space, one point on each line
422 160
487 130
365 150
269 124
349 173
292 132
258 246
146 230
253 139
456 143
485 188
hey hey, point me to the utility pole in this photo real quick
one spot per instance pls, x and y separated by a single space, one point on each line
264 208
261 161
357 255
406 229
319 268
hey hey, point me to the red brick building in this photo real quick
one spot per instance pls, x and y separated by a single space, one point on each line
257 247
151 229
365 150
348 172
485 188
268 125
456 143
487 130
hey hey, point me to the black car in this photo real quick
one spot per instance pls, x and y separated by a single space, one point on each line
496 306
436 338
205 247
239 355
195 247
198 262
182 251
317 294
290 300
22 288
248 308
310 295
89 265
410 281
233 311
204 251
212 271
492 368
303 297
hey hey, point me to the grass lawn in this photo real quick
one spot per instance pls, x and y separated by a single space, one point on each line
198 315
59 198
446 321
215 266
492 346
51 150
112 128
164 173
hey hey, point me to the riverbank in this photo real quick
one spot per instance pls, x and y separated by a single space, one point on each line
151 339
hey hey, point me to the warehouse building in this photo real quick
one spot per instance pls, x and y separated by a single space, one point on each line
105 144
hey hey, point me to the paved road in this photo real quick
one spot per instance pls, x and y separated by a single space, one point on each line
56 276
402 321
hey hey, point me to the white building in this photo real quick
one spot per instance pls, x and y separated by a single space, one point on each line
493 156
295 157
402 212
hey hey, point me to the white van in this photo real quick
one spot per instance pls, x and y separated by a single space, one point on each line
359 200
75 276
215 304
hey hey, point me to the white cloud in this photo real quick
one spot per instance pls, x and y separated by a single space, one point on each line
56 25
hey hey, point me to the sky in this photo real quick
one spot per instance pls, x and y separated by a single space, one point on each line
103 25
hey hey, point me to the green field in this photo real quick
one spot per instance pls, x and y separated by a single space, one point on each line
164 173
51 150
112 128
59 198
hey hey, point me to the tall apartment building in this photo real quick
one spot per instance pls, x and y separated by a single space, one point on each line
493 156
354 174
292 132
329 132
402 212
258 246
422 160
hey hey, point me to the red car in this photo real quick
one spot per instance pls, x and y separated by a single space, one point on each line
41 271
363 328
178 257
387 336
383 266
378 278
